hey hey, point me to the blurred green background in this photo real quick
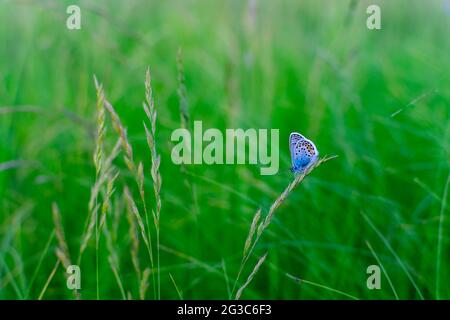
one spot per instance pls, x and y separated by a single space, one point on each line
379 99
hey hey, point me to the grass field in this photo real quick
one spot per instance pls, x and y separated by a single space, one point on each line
377 99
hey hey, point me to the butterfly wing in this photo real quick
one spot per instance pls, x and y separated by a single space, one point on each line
294 138
303 153
311 149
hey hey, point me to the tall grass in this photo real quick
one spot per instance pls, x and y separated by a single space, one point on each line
259 228
62 251
440 235
378 98
106 177
150 111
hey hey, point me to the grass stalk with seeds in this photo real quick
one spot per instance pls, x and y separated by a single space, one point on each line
259 227
150 111
62 251
98 159
137 172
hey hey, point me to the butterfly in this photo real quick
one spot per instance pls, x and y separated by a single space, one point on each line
303 152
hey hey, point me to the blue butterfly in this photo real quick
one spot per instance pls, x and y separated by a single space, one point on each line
303 152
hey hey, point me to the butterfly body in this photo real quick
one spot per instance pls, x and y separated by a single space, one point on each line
303 152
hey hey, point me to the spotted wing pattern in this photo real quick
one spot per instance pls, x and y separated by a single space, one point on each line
303 152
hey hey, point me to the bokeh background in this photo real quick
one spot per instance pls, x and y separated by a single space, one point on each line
379 99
